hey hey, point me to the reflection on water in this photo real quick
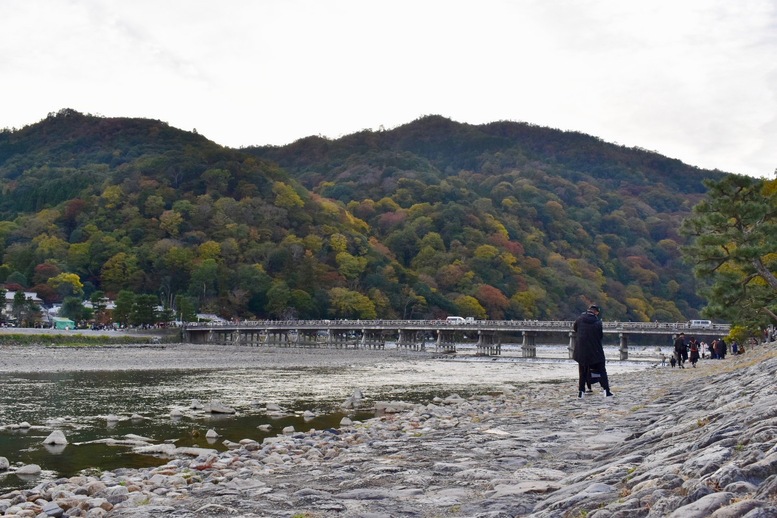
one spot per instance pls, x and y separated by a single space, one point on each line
80 404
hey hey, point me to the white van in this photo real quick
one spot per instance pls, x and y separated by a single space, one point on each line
704 324
455 320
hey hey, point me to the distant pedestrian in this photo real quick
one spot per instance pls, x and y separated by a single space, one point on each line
679 350
589 353
693 346
721 349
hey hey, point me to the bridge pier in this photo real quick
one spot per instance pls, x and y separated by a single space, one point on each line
446 341
489 344
571 347
373 339
282 338
307 339
411 339
341 339
529 345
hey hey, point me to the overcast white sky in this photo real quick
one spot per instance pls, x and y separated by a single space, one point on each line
691 79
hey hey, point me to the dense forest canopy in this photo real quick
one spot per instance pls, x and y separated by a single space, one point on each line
502 220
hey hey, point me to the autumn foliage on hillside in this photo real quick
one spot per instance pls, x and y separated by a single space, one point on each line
504 220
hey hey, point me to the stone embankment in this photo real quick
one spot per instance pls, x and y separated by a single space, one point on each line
698 442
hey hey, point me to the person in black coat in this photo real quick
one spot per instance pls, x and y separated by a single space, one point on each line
588 352
680 350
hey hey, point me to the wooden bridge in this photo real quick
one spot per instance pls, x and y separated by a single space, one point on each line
421 335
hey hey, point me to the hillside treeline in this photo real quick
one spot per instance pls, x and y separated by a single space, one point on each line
504 220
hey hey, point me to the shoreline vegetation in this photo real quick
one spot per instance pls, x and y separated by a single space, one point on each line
75 339
680 443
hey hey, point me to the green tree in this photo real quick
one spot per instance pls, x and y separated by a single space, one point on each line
73 308
67 284
204 280
24 310
286 197
349 266
120 272
412 303
278 299
99 306
303 303
186 308
122 313
144 310
734 245
17 277
344 303
170 221
469 306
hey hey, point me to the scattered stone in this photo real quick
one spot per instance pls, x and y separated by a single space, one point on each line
217 407
353 401
138 438
392 407
56 437
29 469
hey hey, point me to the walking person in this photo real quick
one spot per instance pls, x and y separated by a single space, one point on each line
722 348
679 350
589 353
693 345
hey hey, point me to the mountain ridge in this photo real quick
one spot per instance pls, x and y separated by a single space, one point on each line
434 217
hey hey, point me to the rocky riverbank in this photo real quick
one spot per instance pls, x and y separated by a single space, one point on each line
686 443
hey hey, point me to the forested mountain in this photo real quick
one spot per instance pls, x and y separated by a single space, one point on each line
503 220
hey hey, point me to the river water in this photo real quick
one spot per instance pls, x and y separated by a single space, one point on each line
80 403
